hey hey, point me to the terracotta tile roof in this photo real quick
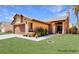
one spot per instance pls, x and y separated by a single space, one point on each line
55 19
44 21
39 21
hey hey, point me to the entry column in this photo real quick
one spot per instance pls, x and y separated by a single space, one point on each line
53 28
63 28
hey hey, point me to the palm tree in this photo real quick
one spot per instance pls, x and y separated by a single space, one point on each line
76 10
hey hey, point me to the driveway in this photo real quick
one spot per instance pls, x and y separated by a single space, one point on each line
6 36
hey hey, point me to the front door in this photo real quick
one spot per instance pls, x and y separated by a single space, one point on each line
59 29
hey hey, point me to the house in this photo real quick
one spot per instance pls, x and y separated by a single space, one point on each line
6 27
25 25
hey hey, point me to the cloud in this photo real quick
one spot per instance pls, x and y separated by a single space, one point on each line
10 16
55 8
6 14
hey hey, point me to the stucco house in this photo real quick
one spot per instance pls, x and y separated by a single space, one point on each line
25 25
6 27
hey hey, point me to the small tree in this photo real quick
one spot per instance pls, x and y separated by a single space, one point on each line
74 29
76 10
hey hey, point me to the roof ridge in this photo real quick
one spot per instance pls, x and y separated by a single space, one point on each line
56 18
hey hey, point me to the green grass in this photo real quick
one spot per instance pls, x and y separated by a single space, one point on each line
59 44
2 33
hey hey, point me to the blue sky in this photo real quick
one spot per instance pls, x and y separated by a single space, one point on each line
36 11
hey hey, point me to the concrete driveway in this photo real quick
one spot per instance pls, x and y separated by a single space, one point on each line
6 36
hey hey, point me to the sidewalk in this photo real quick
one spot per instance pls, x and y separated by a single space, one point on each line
33 38
6 36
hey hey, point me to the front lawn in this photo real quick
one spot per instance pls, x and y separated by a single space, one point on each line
56 44
2 33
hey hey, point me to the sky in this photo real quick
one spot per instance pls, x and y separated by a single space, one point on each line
41 12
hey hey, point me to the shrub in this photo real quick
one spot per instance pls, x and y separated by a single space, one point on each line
40 32
46 31
73 30
9 31
25 35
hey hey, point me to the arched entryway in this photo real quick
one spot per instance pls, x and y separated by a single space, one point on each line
59 27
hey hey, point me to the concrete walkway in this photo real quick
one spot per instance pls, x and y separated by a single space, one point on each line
20 36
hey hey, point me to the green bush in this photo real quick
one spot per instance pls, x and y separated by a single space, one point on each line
9 31
46 31
74 30
40 32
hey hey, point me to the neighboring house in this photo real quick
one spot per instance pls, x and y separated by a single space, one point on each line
5 27
25 25
70 25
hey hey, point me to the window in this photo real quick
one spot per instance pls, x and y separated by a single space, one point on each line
31 26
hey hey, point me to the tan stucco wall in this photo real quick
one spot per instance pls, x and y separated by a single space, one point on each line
64 26
53 27
38 25
19 19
